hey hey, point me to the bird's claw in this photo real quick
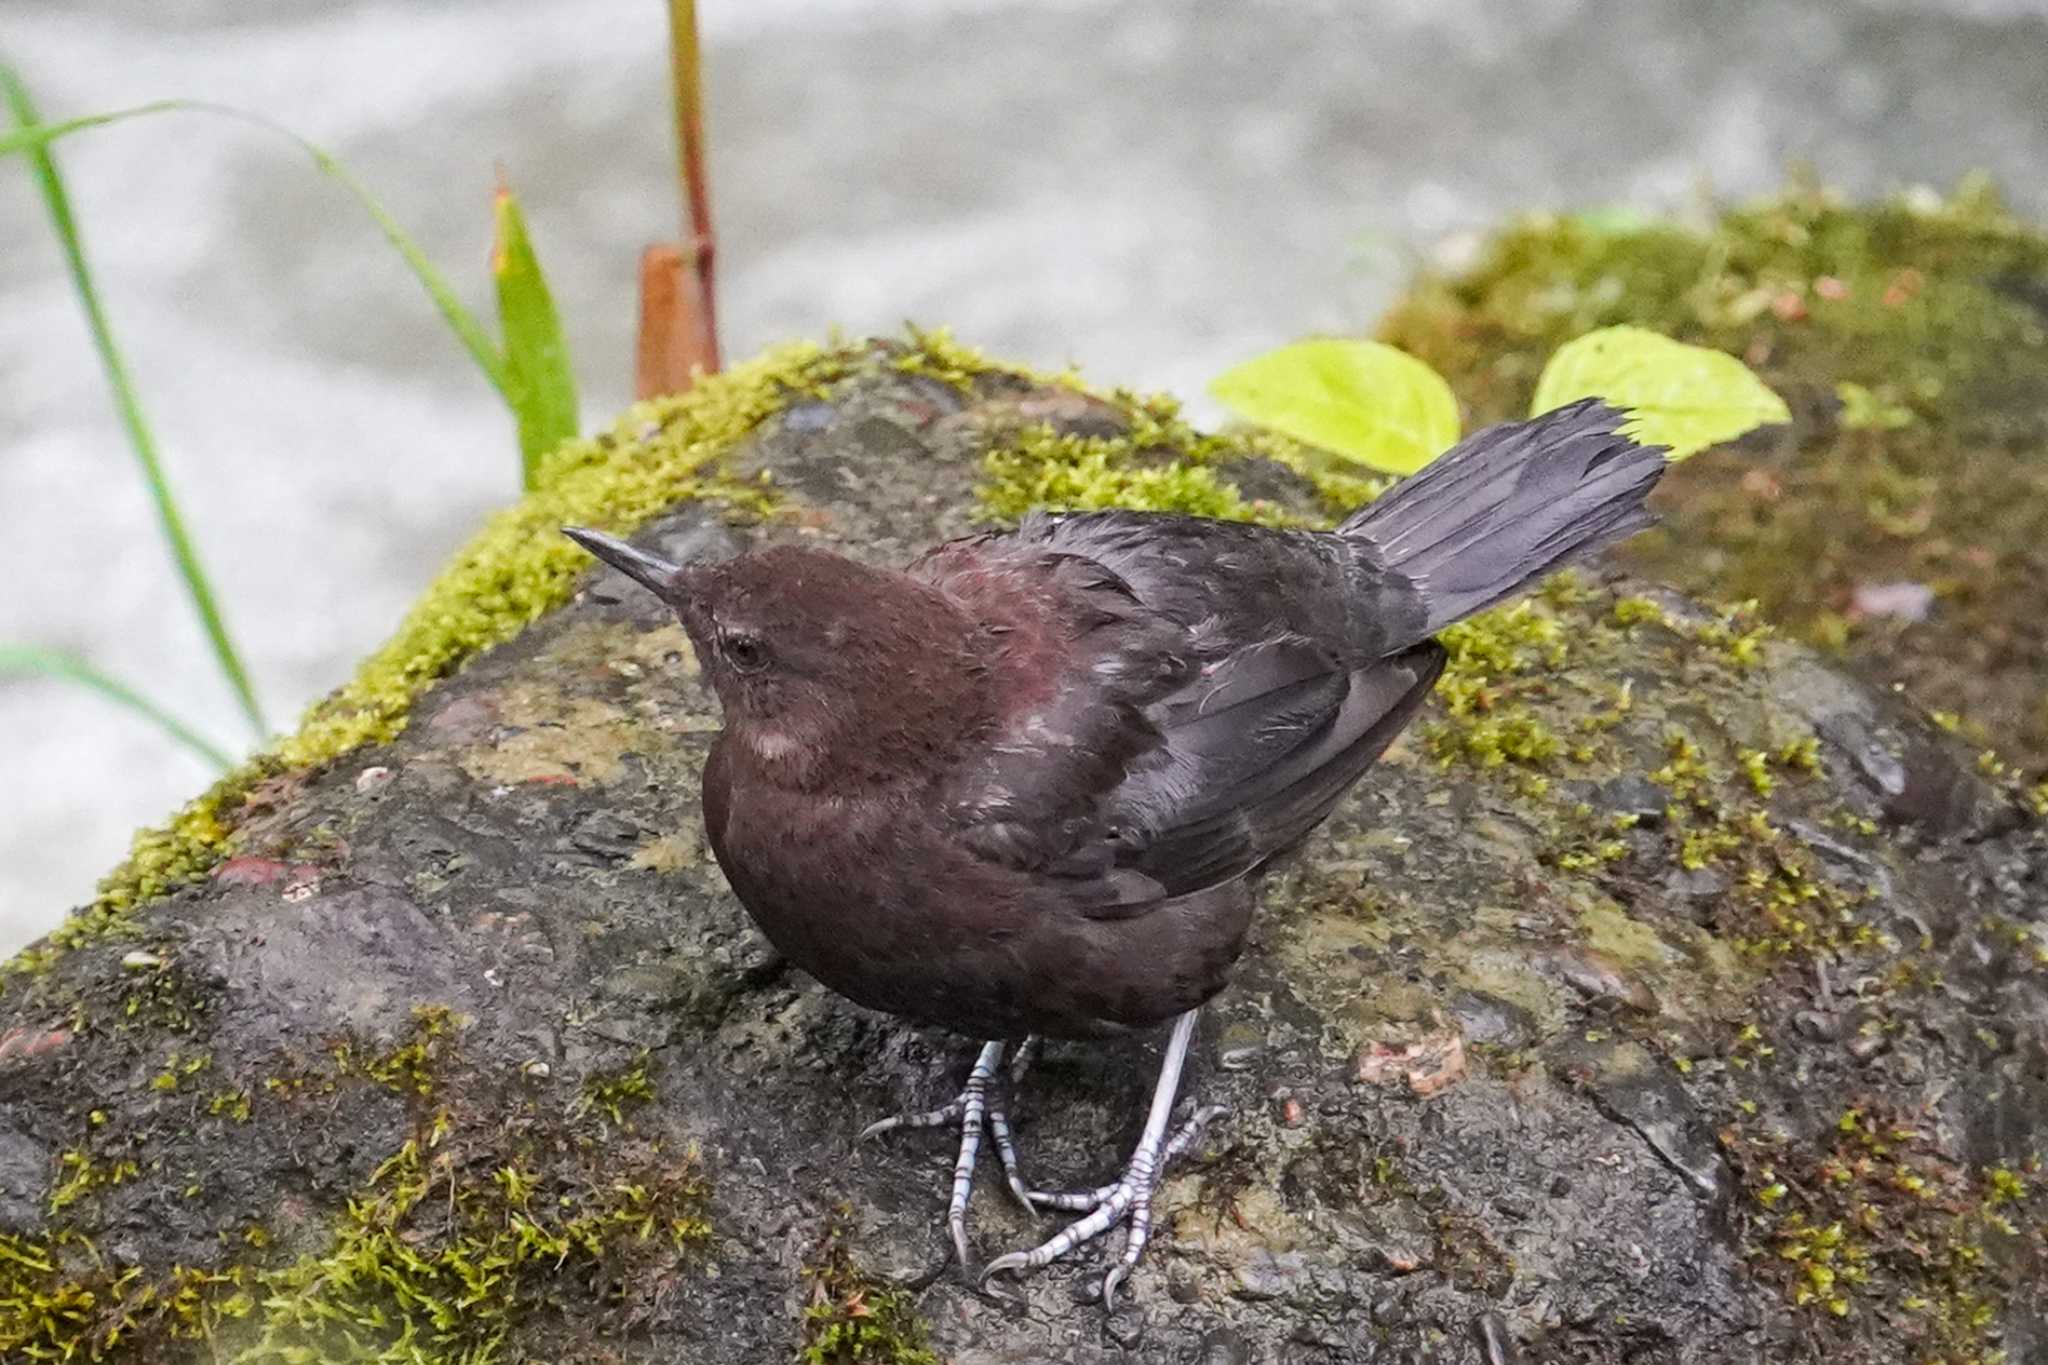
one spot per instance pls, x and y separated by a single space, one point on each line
972 1108
1129 1201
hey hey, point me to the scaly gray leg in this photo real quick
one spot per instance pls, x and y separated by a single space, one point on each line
970 1108
1130 1198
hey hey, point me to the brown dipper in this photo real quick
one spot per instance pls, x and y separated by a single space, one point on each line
1027 785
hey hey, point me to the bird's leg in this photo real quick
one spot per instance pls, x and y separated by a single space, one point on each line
999 1125
1130 1198
970 1109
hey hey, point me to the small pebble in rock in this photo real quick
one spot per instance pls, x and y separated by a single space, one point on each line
1816 1025
370 779
1125 1327
1225 1346
140 961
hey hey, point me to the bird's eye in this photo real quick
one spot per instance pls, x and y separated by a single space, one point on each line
745 653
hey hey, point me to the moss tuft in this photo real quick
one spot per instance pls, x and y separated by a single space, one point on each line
1156 462
1873 1218
849 1317
614 1093
433 1262
407 1067
1042 468
1909 339
462 1236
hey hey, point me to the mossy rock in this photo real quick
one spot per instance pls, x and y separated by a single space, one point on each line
1911 340
1665 996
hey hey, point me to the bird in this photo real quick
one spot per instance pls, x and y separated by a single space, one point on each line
1026 786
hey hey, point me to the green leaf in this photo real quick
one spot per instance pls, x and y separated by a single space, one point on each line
540 386
475 339
1684 397
1360 399
128 404
34 661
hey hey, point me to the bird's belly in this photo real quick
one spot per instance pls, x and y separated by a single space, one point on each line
892 945
909 926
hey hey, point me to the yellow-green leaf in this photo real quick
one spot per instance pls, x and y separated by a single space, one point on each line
1684 397
1360 399
540 387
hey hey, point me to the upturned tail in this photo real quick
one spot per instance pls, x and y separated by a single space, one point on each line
1506 505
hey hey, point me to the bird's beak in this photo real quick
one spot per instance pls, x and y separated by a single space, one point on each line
652 572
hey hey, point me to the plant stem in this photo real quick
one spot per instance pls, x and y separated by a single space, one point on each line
686 69
129 408
31 660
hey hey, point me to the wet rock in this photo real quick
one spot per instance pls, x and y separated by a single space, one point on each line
1498 1348
1125 1327
1696 883
1602 980
1455 1060
1224 1346
1631 795
1391 1235
1240 1047
607 836
1629 1084
1270 1275
1486 1019
1874 760
25 1166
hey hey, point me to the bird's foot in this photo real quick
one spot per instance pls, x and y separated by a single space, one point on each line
1128 1200
972 1109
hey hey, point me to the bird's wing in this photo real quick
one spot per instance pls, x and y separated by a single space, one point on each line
1182 700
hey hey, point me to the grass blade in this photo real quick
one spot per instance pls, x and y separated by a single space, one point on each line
39 134
129 408
31 661
35 136
540 385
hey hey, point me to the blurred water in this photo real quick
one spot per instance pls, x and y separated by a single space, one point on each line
1154 188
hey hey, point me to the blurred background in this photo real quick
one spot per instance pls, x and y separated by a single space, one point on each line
1154 189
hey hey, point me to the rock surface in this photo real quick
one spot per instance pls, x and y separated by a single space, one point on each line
1664 996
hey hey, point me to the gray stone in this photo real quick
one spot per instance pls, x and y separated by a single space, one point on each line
1576 1162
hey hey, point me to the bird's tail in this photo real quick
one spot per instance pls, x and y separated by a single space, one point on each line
1508 504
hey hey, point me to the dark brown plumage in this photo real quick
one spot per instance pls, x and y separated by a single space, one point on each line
1027 784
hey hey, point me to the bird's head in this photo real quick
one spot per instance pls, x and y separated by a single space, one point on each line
829 671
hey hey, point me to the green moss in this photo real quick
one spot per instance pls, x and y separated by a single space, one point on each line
1155 463
1871 1218
409 1066
1494 681
935 354
850 1318
1043 468
1913 350
463 1236
433 1263
613 1093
